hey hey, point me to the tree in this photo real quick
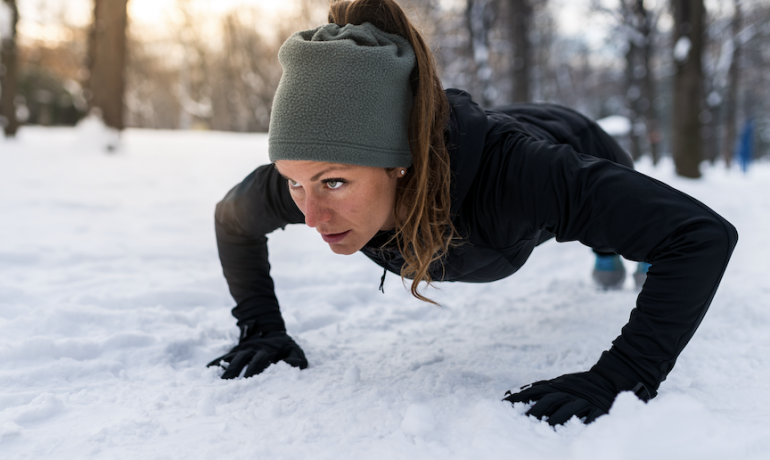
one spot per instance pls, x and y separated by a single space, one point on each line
733 76
479 16
521 16
639 24
687 148
107 60
9 16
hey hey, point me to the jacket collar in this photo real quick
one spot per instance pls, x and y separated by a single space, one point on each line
465 143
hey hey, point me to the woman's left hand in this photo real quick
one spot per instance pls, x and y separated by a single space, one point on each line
585 395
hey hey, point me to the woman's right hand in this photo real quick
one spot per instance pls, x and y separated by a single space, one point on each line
259 350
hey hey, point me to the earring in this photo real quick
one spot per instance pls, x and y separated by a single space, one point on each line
403 171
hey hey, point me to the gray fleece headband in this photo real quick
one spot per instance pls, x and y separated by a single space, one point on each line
344 97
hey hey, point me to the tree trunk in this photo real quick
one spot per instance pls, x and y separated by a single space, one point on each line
9 72
647 83
640 82
633 90
688 86
733 74
521 16
479 17
107 60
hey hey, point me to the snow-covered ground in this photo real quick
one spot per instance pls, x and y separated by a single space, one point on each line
112 301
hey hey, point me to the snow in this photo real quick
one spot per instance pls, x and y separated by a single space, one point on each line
6 21
615 125
94 134
682 49
112 301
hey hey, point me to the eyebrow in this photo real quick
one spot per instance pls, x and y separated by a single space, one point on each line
317 176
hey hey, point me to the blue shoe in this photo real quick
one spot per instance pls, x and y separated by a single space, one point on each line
609 272
640 275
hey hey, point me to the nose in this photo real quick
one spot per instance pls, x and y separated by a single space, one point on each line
316 210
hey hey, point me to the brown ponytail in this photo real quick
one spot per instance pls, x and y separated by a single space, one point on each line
424 231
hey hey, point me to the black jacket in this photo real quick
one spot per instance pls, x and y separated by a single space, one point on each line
521 175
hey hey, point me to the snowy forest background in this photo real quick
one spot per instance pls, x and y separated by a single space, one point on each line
112 298
639 59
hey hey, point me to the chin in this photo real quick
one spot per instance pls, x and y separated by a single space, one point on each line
343 249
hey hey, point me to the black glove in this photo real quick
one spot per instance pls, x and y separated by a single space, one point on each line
586 395
259 350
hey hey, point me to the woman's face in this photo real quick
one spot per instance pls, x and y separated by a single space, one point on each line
346 204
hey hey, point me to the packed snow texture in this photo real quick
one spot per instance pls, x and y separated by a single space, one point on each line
112 301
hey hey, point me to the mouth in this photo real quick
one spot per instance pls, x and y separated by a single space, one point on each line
333 238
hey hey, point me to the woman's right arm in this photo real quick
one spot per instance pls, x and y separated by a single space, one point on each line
258 205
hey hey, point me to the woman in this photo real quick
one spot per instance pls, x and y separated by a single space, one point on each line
372 153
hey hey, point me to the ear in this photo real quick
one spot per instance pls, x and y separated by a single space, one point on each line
399 172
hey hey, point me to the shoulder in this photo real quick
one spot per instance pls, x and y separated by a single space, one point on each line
465 140
466 117
485 149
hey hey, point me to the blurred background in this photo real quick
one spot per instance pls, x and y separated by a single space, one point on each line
681 78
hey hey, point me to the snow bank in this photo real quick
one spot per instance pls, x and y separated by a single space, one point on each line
615 125
112 300
6 21
682 49
93 134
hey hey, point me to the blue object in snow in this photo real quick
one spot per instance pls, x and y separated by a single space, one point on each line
608 263
746 146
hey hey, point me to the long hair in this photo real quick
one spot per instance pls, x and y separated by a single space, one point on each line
424 230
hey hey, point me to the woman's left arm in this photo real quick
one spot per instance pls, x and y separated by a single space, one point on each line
613 208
